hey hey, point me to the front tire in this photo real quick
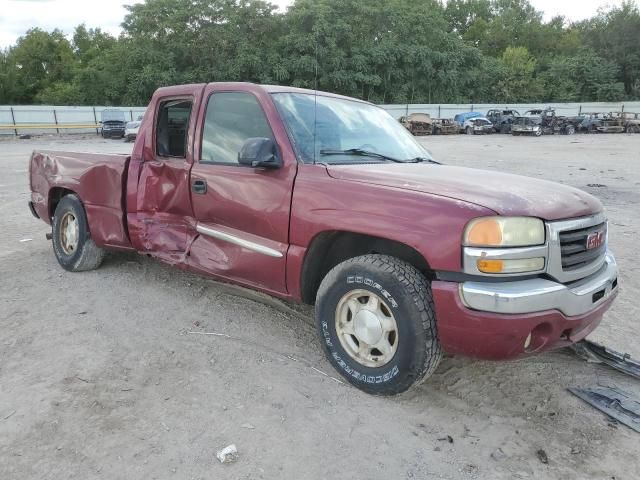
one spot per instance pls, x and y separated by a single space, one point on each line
73 247
377 325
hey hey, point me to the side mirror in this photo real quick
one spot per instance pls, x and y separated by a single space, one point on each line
259 153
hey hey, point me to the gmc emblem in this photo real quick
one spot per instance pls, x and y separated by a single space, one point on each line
595 240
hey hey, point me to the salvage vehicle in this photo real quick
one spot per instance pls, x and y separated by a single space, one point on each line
527 125
550 123
502 119
444 126
418 123
460 118
325 199
477 126
590 122
608 123
630 121
113 123
131 129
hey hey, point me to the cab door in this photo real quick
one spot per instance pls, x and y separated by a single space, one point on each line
242 213
160 215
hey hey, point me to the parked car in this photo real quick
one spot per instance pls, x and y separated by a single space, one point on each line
550 123
477 126
113 123
444 126
502 119
590 122
132 128
460 118
527 125
630 121
418 123
325 199
597 122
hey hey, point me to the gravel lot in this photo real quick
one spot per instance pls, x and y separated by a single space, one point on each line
99 377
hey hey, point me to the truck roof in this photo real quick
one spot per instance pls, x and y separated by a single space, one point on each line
179 89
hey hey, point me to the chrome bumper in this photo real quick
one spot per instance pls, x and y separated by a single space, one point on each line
539 294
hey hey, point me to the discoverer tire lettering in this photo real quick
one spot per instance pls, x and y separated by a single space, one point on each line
406 293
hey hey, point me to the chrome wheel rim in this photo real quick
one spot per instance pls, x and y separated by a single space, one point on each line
366 328
69 233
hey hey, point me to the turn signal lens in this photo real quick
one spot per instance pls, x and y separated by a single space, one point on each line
522 265
490 266
504 232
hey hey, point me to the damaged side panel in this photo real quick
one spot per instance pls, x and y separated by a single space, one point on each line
97 179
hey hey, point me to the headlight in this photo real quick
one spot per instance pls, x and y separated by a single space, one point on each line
504 232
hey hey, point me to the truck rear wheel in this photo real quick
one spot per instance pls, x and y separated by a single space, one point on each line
377 324
73 247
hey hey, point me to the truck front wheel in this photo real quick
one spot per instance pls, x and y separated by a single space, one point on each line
73 247
377 323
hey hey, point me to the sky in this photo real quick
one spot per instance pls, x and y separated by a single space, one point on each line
17 16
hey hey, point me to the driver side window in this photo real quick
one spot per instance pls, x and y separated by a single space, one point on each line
231 118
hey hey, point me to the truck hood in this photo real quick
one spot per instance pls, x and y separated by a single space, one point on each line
504 193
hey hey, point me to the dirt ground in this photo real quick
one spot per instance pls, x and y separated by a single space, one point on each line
101 379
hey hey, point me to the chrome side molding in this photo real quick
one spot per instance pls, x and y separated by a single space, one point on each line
256 247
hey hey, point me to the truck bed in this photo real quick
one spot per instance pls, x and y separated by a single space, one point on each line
98 179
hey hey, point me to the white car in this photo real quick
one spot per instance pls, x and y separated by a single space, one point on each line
477 126
131 129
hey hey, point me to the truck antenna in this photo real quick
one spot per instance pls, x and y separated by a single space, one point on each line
315 101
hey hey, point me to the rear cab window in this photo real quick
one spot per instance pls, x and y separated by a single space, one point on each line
172 128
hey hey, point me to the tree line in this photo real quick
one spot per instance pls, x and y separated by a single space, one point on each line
392 51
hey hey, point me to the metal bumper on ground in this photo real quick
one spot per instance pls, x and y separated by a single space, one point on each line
539 294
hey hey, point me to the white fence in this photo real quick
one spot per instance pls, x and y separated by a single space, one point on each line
58 119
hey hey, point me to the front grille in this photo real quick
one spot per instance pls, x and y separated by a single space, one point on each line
573 247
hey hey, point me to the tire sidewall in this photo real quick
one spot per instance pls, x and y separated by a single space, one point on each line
69 203
400 370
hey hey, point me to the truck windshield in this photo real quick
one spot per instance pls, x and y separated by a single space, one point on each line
343 125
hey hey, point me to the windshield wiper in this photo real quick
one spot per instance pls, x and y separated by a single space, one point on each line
423 159
367 153
360 153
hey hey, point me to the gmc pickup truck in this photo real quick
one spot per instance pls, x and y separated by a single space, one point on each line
328 200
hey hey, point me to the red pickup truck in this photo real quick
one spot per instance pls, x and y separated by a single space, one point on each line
325 199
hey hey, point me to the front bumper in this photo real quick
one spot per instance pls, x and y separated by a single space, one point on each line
539 294
116 132
507 320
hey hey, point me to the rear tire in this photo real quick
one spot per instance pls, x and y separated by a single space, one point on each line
73 247
377 324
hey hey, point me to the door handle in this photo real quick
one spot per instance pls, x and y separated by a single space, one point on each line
199 186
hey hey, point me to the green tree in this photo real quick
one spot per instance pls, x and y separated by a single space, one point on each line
615 34
39 59
518 82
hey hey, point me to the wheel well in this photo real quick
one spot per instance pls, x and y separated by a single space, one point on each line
328 249
55 195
